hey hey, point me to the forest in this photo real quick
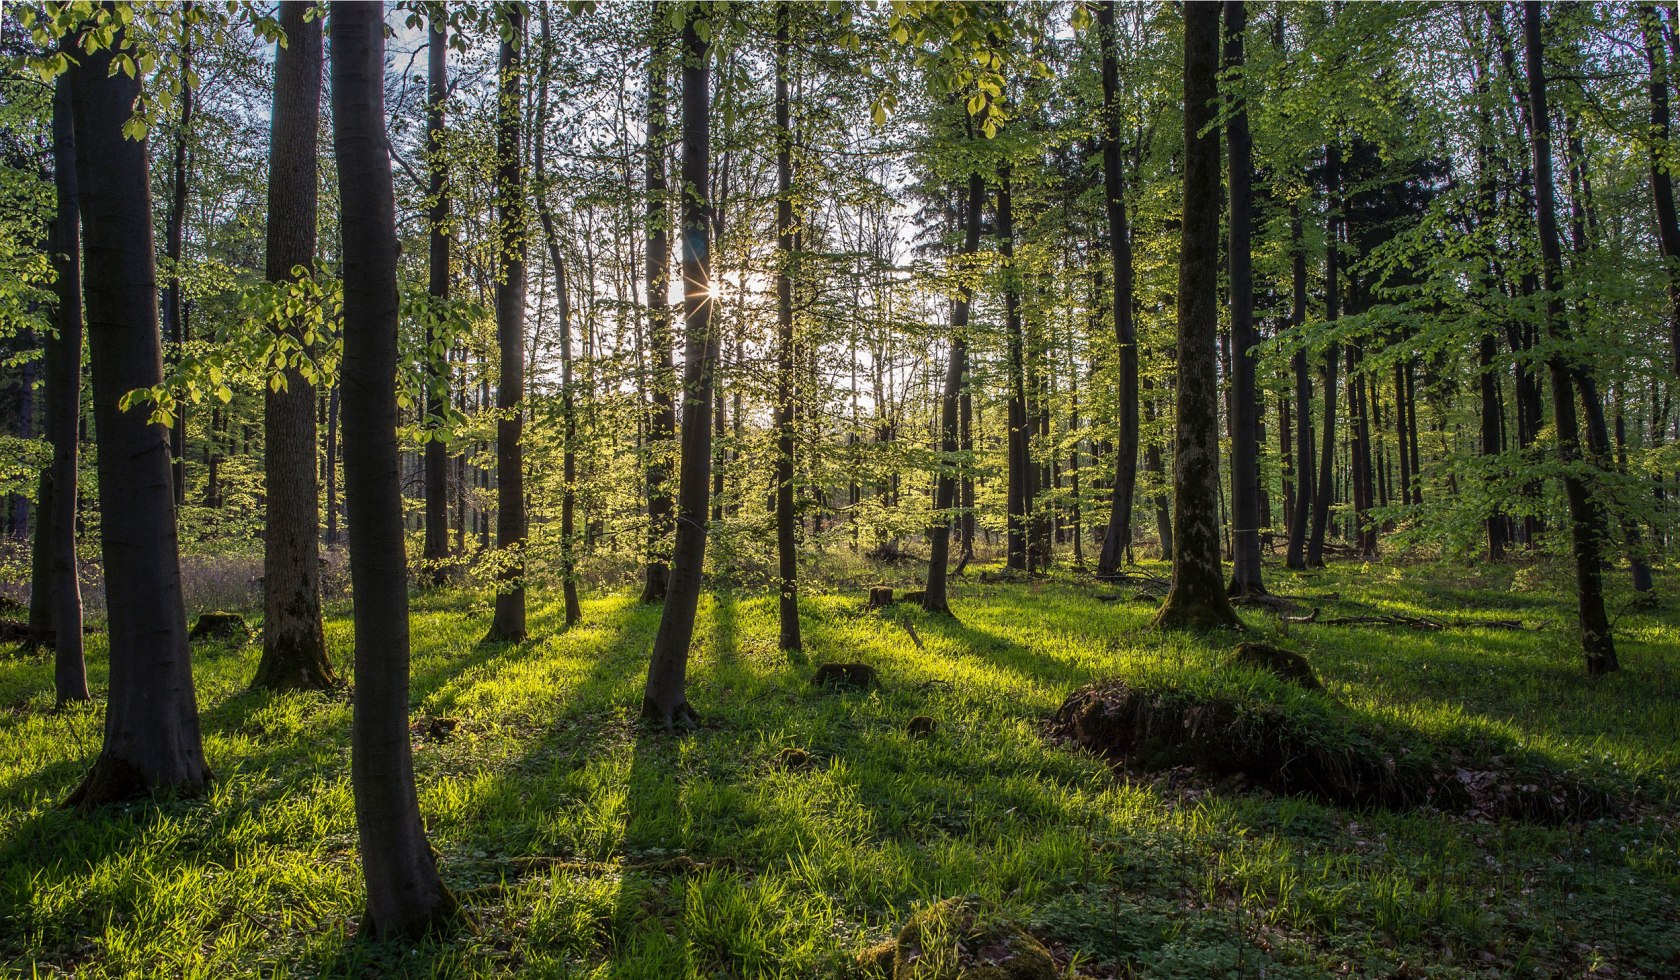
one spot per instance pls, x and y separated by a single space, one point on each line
897 489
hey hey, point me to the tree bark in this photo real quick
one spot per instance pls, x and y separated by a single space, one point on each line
405 895
1019 493
787 555
1117 539
662 420
1326 492
1305 472
152 742
935 597
665 700
508 623
174 319
436 461
294 653
1197 599
1245 398
1662 178
1586 517
56 588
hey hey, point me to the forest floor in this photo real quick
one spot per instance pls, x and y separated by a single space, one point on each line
583 844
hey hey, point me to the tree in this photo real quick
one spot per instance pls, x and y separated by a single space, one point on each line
1020 471
1117 541
1326 490
152 742
1197 598
1662 170
405 895
1245 397
934 597
55 588
175 223
1586 516
662 419
787 555
436 549
509 620
666 700
294 648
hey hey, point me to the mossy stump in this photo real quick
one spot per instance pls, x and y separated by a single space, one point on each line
856 677
960 939
220 626
1285 665
880 596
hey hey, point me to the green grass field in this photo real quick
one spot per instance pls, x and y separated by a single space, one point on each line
583 845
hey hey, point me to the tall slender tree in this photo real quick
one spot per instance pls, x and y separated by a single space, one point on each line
56 590
1117 541
1660 149
152 741
405 895
1245 396
436 396
511 225
294 648
175 223
662 417
787 555
1586 516
1325 494
1197 599
1296 556
1020 470
666 698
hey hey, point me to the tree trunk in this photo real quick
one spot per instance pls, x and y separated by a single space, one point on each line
436 478
1305 472
508 622
174 239
152 740
1662 177
1326 493
935 597
1245 398
332 454
1586 516
662 421
56 583
1197 599
294 653
665 700
1020 472
405 896
787 556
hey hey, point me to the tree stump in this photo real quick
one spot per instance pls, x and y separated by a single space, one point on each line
880 596
853 676
220 626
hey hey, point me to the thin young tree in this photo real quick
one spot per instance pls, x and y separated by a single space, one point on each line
934 596
1295 557
174 241
1197 599
508 622
1325 493
152 742
1117 540
436 396
662 418
1586 516
294 647
787 555
665 700
1020 471
405 895
1245 397
56 591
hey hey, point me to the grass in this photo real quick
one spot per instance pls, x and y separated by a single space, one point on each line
584 845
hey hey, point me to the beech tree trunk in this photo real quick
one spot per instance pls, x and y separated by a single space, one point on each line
787 555
1586 516
934 596
1326 492
405 895
294 648
662 421
1117 541
1020 471
665 700
436 461
1245 398
56 590
1197 599
508 622
152 742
